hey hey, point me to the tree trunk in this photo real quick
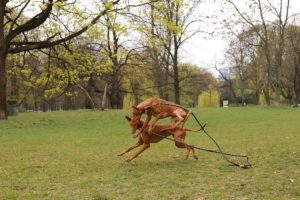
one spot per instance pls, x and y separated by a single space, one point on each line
243 96
167 63
243 89
104 97
176 85
176 76
116 100
88 96
278 79
158 74
297 81
3 107
266 92
166 89
157 70
257 97
277 94
267 85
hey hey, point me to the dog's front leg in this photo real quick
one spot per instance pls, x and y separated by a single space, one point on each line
149 116
158 117
139 143
146 146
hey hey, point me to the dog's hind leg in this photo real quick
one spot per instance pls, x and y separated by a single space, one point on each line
139 143
146 146
188 150
179 142
194 154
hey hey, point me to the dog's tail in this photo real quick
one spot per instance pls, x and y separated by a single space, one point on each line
194 130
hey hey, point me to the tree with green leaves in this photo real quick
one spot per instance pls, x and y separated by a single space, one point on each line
166 26
13 33
115 52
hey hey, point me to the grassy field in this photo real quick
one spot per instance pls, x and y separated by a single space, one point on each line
73 155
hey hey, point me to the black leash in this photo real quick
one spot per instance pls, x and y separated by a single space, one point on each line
220 151
244 166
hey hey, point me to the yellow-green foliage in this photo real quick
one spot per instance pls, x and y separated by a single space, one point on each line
209 98
262 100
128 101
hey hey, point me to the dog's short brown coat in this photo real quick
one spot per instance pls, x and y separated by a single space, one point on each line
160 109
145 139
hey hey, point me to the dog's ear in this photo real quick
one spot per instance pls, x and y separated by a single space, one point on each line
128 118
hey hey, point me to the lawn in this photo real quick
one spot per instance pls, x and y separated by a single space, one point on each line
73 155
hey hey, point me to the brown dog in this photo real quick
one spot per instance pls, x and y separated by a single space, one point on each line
160 109
145 139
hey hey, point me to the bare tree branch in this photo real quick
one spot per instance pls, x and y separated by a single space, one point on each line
17 47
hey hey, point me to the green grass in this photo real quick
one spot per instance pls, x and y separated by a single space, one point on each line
72 155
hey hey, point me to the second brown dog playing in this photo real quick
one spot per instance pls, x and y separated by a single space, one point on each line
160 109
145 139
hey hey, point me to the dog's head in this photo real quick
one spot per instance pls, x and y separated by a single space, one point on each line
135 124
137 112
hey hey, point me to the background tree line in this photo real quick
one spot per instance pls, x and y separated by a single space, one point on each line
74 58
110 54
263 56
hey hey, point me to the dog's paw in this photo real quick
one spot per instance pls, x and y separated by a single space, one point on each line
196 157
128 160
120 154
